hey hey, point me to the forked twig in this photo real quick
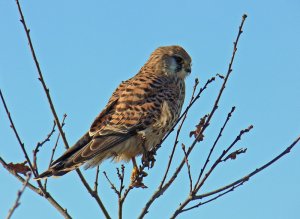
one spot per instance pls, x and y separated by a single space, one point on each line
230 187
162 189
214 145
12 125
188 168
54 148
19 194
40 191
39 145
254 172
121 196
47 92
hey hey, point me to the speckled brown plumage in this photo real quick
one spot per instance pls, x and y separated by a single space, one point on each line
141 110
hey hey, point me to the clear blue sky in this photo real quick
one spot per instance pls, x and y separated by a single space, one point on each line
86 49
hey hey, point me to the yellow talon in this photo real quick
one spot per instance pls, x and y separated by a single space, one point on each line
134 174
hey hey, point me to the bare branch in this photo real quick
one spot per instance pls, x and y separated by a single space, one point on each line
19 194
12 125
212 199
220 159
42 190
96 180
184 115
188 168
230 187
161 190
112 186
38 191
47 92
214 145
54 149
234 154
201 183
40 144
256 171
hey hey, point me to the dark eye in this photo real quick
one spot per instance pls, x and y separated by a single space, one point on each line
178 60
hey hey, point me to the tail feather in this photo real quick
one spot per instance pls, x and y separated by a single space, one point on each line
57 168
92 149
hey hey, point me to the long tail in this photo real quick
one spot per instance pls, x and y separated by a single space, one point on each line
90 150
58 167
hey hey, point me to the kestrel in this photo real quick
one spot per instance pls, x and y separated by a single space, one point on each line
138 115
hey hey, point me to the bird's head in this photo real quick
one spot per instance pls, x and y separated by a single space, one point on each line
171 60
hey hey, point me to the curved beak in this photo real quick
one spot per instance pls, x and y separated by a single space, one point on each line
188 68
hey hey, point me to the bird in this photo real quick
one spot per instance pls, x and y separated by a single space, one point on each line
140 112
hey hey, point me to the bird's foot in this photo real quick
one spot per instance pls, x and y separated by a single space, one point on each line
148 159
137 177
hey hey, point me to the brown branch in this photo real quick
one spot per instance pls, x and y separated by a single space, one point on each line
216 163
214 198
42 191
121 200
220 159
231 186
47 92
248 176
121 196
54 149
126 192
38 191
96 180
161 190
118 192
112 186
41 78
188 168
19 194
12 125
39 145
20 178
214 145
233 155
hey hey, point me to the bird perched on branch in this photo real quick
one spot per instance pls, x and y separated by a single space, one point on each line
138 115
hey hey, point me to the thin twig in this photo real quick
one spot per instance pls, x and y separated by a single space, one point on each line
12 125
42 191
201 183
19 194
54 149
41 78
38 191
214 145
39 145
220 158
96 180
121 200
161 190
238 182
233 155
214 198
184 115
188 168
112 186
248 176
47 92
